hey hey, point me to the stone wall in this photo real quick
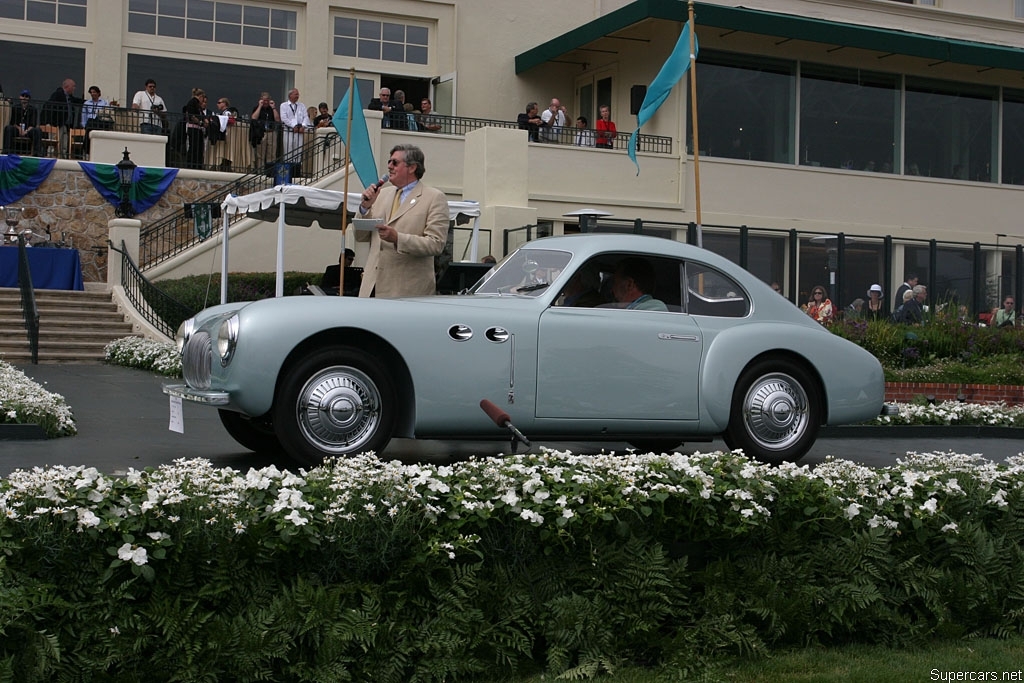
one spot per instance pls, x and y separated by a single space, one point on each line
67 202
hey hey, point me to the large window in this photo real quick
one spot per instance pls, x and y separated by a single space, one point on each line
175 79
848 119
377 40
950 130
64 12
219 22
745 107
1013 137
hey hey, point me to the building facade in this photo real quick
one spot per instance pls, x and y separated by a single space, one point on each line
870 119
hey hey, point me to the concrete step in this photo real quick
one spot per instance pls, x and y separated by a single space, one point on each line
74 327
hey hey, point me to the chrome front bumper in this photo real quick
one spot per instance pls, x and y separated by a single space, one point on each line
187 393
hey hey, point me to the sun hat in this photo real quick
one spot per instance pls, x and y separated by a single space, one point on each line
875 288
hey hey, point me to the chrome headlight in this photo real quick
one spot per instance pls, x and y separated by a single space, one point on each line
227 338
185 330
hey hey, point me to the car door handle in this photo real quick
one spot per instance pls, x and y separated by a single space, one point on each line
678 337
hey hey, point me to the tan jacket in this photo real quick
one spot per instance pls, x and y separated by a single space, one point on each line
406 269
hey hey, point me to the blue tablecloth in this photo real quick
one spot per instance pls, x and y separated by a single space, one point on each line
51 268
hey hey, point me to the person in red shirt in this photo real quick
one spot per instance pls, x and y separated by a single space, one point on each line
605 127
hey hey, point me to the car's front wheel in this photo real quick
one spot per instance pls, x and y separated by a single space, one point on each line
255 434
337 401
776 412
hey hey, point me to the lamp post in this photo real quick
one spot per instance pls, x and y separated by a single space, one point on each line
125 172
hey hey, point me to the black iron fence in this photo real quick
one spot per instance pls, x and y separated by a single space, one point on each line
969 276
160 310
28 300
240 145
177 232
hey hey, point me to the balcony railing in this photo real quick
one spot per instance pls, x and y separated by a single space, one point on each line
235 152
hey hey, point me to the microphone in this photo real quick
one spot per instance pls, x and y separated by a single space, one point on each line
380 183
502 419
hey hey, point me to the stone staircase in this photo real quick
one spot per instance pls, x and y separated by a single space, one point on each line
74 327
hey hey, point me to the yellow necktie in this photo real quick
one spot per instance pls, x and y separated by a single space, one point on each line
395 204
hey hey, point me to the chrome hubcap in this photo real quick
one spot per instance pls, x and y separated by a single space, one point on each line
339 410
775 411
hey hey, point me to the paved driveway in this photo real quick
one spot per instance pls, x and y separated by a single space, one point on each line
123 421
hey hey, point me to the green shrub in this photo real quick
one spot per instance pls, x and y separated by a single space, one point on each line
202 291
368 570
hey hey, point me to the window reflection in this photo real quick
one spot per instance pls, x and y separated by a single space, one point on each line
950 130
848 118
745 107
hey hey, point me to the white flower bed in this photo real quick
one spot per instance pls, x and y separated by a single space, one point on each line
136 352
23 401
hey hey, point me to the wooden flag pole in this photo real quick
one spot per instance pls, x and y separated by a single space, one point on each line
693 123
344 202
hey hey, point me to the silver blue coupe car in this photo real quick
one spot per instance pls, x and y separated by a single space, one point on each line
593 337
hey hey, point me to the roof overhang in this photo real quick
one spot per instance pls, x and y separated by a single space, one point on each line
888 41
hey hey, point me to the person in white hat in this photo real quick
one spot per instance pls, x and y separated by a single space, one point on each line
873 306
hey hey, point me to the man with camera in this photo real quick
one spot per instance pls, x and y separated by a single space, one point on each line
152 121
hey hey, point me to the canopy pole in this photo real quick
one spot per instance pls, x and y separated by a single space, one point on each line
693 122
279 289
224 259
348 172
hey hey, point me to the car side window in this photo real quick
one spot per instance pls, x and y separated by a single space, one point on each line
713 293
647 283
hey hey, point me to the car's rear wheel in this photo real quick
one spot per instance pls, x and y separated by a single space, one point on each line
255 434
337 401
776 412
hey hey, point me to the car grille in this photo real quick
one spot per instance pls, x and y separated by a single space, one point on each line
196 360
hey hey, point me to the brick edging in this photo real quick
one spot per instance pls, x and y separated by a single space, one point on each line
904 392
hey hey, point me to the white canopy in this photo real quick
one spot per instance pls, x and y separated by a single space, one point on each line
298 205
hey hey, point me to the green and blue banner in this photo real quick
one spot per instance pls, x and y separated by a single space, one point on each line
21 175
148 184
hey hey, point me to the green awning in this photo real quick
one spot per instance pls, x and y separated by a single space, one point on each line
888 41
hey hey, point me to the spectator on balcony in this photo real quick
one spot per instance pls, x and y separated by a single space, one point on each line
197 117
155 111
61 110
94 115
584 136
426 120
263 131
296 122
531 122
605 127
553 120
324 118
393 113
24 124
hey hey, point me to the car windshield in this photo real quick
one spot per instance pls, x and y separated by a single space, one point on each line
527 272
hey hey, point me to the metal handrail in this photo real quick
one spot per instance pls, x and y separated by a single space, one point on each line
174 234
28 300
156 307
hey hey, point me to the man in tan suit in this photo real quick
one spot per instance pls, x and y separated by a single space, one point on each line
415 229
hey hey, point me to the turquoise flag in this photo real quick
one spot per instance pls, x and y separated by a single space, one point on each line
671 72
359 151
